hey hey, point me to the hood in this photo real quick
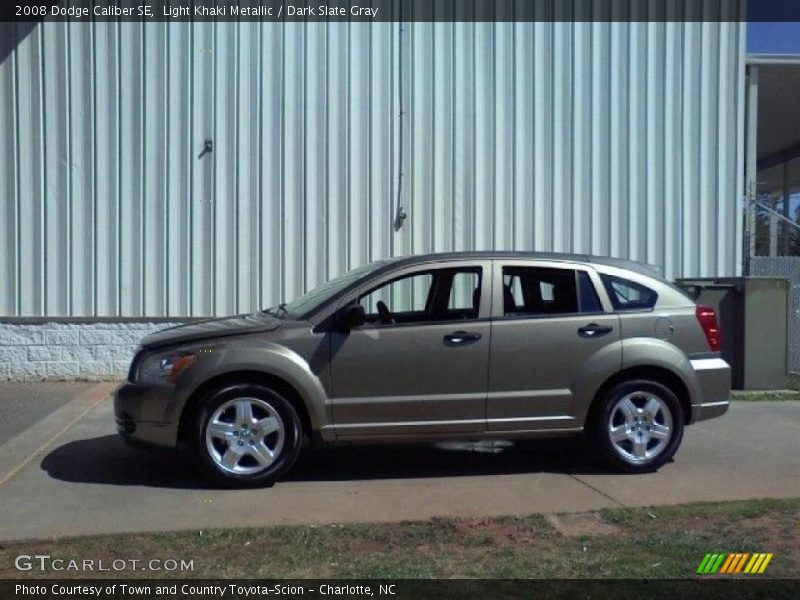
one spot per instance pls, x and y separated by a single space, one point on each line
212 328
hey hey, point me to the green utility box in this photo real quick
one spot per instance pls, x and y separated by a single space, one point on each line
753 315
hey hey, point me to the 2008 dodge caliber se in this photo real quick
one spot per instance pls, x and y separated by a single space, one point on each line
463 345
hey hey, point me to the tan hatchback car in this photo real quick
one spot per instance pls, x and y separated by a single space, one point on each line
443 346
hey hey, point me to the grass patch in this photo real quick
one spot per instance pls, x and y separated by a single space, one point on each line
793 381
765 395
650 542
792 392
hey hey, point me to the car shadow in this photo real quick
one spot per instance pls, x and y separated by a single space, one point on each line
107 460
444 459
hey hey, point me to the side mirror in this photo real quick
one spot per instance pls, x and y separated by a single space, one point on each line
354 316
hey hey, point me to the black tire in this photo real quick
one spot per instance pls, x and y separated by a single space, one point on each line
284 413
600 422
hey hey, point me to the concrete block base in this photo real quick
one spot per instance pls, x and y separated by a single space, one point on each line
61 351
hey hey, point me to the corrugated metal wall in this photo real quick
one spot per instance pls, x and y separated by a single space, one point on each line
610 138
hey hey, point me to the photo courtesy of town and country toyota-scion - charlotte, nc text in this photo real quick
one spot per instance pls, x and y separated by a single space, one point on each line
230 590
178 10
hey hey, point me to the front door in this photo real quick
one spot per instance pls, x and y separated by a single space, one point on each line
419 363
547 342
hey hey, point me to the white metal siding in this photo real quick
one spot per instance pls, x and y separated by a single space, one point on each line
608 138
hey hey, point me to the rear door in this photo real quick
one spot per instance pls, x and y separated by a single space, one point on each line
550 332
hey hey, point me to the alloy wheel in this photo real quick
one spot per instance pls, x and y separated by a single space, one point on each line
245 436
640 427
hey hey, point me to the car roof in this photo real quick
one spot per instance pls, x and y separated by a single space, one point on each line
648 270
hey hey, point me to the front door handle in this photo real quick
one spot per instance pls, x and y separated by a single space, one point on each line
594 330
461 337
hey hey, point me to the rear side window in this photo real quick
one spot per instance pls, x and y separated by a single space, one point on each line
548 291
590 303
628 295
539 291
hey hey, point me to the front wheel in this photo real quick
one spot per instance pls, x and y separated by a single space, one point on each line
246 435
637 427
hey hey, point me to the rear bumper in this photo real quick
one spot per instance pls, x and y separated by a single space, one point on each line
139 411
714 379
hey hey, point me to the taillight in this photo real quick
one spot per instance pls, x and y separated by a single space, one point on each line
708 321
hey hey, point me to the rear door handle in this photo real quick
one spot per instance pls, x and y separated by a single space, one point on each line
461 337
594 330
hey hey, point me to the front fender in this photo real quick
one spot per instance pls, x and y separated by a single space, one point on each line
270 359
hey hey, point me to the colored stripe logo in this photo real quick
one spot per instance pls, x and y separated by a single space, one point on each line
734 562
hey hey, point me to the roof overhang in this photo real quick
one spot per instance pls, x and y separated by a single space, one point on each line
778 134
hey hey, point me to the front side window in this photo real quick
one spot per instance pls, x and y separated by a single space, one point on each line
628 295
429 296
465 291
408 295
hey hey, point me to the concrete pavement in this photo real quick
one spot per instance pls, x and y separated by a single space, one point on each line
23 404
25 445
83 480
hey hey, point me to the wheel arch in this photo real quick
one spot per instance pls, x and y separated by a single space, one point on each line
244 376
662 375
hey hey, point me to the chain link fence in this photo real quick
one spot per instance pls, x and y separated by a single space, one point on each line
787 267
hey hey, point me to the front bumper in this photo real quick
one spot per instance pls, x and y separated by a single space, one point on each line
141 414
714 379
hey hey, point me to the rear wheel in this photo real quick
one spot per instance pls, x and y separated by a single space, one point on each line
246 435
637 427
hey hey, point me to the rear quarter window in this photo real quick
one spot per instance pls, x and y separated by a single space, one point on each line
628 295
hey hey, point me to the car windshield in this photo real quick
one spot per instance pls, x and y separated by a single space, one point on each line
312 300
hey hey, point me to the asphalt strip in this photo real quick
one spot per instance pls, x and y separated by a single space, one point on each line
19 451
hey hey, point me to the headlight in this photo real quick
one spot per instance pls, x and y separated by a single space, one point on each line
165 368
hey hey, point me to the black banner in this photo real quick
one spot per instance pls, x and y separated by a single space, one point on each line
402 589
400 10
